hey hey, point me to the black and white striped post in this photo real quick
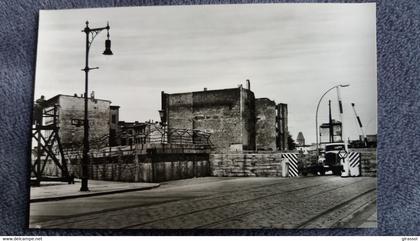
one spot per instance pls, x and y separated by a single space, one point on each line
292 159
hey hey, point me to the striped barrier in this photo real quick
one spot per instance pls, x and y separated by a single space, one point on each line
354 159
293 164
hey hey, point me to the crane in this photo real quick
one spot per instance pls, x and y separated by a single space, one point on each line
360 125
340 111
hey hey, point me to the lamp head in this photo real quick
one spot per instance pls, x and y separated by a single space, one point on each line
346 85
107 42
107 48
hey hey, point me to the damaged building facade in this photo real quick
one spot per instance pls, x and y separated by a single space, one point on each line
103 119
236 119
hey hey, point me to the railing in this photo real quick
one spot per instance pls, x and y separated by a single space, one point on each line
171 136
99 147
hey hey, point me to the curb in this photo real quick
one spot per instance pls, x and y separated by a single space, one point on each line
49 199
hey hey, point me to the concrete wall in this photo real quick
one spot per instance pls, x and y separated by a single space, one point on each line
265 110
72 108
369 161
246 165
154 163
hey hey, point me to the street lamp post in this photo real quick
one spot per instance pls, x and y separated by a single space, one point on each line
90 36
316 115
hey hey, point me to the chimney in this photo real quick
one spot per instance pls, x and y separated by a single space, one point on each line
205 88
248 84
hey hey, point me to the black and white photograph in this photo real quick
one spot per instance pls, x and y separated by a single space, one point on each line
231 116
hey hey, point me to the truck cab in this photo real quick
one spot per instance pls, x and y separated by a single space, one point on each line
331 160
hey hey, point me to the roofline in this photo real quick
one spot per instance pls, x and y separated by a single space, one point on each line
57 96
191 92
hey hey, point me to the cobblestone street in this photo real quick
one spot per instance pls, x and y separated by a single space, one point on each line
310 202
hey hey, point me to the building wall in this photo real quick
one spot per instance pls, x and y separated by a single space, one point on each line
219 113
236 120
72 108
180 111
265 110
282 126
155 163
114 131
227 114
248 119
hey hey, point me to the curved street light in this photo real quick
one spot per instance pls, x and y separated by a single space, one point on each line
316 115
91 33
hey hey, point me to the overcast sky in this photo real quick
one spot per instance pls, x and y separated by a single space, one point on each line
292 53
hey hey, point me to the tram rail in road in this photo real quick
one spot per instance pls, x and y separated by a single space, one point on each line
214 203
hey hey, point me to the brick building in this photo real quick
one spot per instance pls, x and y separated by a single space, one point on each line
236 120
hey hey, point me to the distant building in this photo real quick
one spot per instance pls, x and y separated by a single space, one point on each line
70 110
132 132
236 120
300 139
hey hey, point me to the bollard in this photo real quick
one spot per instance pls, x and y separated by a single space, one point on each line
354 161
344 161
346 170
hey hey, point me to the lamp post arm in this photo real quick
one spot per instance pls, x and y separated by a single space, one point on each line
319 102
316 118
94 32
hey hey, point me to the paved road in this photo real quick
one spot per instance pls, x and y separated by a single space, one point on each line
304 202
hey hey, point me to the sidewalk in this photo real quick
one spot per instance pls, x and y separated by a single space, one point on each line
52 191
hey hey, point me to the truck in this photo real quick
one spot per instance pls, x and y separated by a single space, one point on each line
329 160
332 160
